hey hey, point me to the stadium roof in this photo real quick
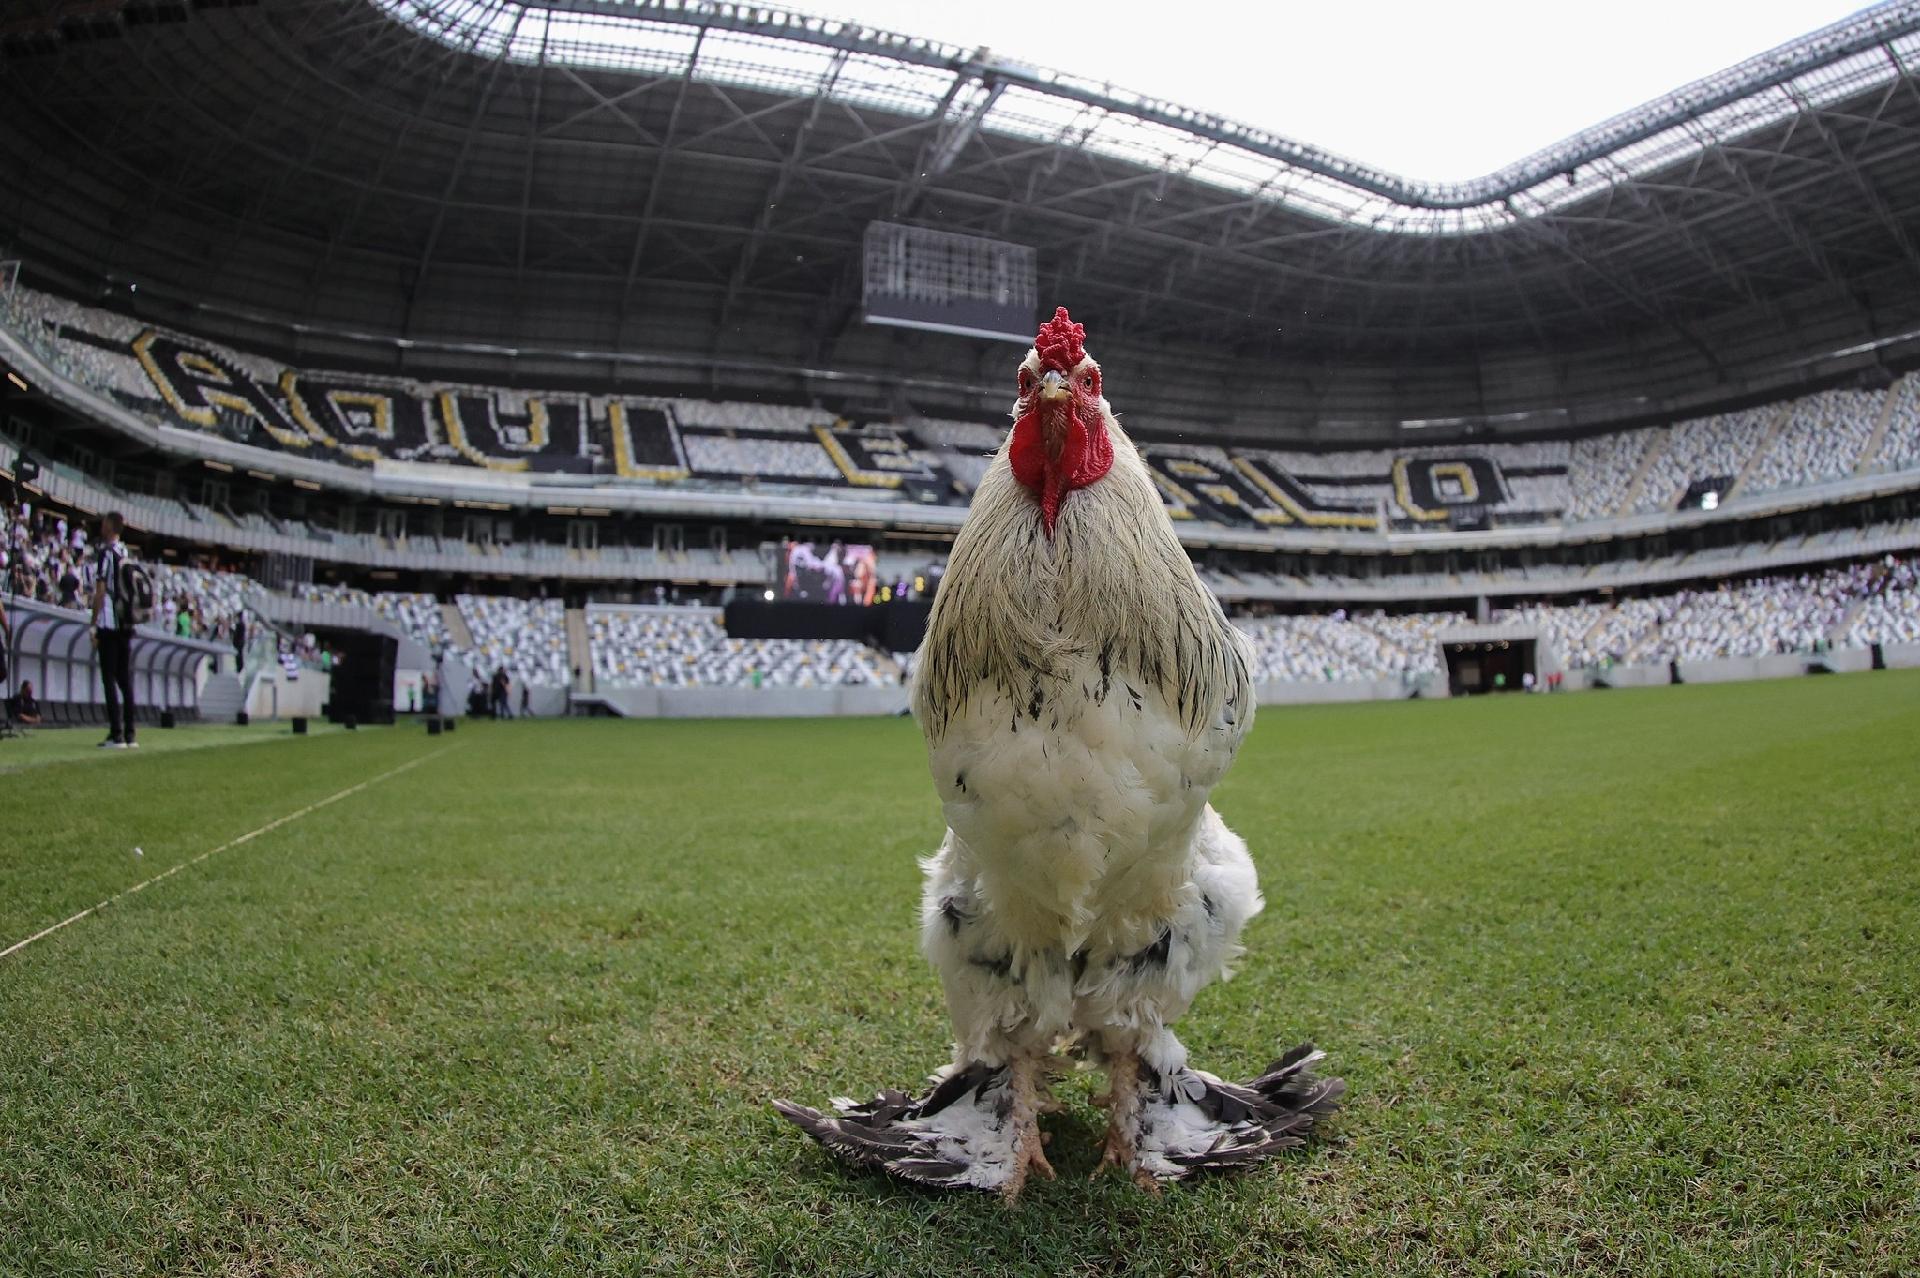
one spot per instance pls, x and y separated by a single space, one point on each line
798 54
676 191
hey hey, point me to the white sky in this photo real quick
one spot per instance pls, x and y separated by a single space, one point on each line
1441 91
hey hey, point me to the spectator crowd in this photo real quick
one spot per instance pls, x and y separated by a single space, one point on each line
525 642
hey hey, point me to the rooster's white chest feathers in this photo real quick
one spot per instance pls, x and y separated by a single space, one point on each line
1079 808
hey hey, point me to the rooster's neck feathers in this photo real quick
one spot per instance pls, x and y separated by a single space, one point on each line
1022 613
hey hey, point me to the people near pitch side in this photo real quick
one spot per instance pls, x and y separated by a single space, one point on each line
115 610
26 706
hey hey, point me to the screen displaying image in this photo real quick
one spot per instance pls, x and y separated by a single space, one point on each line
838 574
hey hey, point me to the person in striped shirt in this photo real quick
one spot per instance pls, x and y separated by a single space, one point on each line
113 633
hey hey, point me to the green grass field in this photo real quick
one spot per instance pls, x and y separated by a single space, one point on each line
1623 982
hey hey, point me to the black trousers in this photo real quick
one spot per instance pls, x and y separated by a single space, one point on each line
116 677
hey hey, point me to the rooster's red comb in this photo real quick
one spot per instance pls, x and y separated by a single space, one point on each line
1061 342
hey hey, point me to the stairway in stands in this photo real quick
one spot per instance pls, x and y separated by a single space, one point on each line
457 627
221 698
1871 453
1586 636
579 650
1837 632
1776 419
1656 444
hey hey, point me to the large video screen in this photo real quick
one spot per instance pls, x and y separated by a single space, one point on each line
836 574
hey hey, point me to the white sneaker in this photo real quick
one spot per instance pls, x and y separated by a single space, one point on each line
129 745
113 743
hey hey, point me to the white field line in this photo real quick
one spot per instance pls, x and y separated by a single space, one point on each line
248 837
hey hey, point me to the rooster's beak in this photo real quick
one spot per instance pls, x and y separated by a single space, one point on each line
1055 420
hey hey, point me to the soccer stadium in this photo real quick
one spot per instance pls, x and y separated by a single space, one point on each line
584 576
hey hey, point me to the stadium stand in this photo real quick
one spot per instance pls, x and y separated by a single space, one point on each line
43 558
1577 632
1890 612
525 637
669 647
1601 470
200 603
1771 615
758 457
1823 437
1704 448
1900 449
416 614
1851 604
1340 647
211 389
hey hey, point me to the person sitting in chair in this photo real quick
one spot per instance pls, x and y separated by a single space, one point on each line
26 706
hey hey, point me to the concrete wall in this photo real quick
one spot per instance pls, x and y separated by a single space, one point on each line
1276 693
276 696
1629 677
1902 656
790 703
1845 660
544 702
1739 669
1731 669
752 703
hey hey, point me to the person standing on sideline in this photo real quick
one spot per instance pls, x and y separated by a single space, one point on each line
526 704
113 632
240 643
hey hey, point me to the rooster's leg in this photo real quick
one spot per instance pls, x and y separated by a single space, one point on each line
1166 1124
1028 1088
1125 1094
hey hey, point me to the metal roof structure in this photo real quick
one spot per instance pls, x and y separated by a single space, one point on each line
673 192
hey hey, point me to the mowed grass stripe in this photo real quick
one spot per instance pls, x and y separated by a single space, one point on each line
1622 982
237 841
73 826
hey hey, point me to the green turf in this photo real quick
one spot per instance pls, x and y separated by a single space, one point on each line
1623 982
39 746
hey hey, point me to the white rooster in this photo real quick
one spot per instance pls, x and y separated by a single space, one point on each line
1081 694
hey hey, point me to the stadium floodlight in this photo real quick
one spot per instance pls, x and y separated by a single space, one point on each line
1710 500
